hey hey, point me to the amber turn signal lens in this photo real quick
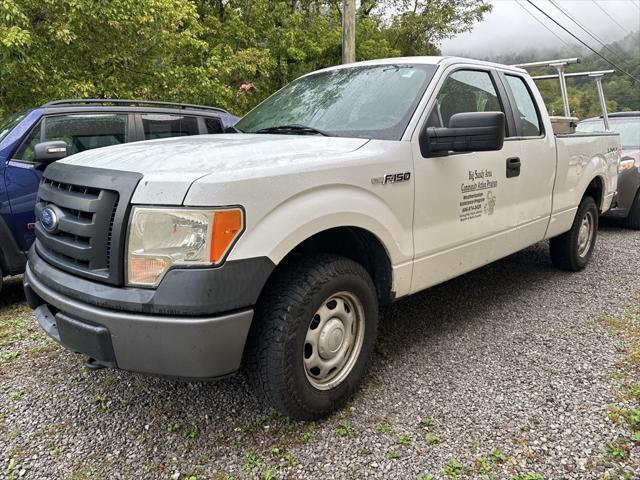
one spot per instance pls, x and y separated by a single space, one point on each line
227 226
146 270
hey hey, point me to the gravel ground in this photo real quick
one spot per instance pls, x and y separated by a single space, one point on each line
499 373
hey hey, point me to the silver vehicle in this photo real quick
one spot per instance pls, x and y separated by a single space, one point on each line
626 204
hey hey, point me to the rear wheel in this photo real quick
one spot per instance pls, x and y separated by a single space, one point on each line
314 330
1 277
572 250
633 219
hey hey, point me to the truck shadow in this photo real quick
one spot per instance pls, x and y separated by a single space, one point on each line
460 303
12 293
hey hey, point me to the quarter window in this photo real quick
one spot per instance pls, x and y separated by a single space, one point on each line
26 152
527 118
213 125
464 91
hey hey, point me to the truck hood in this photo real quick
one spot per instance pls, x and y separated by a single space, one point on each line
169 166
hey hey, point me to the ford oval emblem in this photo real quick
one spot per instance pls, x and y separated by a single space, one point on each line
49 219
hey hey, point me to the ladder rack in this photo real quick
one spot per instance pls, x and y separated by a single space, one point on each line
560 65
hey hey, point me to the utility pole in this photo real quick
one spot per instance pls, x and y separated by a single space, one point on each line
348 31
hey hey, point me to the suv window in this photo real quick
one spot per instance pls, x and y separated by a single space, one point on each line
27 149
213 125
87 130
80 132
164 126
464 91
527 118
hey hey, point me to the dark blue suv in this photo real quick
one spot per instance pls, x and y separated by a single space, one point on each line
81 125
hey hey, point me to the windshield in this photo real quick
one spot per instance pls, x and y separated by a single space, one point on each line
628 128
8 123
366 102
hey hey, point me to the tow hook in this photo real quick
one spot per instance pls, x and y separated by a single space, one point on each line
92 364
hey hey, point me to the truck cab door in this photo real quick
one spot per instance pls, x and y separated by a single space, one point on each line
464 202
537 154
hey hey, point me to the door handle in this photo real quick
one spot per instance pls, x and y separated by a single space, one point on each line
513 167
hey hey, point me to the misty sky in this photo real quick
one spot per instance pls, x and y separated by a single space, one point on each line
509 29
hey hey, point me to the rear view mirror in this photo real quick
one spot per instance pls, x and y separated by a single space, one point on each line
48 152
467 132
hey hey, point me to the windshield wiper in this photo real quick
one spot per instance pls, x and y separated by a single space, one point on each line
294 129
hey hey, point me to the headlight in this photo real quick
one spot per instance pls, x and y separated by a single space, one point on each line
160 238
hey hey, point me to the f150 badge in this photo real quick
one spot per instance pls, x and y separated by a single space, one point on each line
391 178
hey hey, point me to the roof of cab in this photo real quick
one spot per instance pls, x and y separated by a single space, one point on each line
433 60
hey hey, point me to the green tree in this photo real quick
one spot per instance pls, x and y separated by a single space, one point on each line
200 51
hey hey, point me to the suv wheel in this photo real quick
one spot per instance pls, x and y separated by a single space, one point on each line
633 219
572 250
314 330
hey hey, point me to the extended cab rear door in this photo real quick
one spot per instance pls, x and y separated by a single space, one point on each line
537 154
465 205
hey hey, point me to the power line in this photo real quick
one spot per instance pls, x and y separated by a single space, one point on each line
608 15
589 32
581 41
542 23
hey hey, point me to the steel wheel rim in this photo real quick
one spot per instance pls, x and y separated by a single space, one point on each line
585 234
333 340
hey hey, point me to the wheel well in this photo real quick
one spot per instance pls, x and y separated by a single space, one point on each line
595 190
358 245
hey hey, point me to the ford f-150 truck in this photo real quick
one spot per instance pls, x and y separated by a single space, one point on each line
272 248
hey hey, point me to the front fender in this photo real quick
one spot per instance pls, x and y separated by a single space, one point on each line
291 222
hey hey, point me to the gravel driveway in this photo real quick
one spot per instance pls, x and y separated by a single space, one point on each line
506 372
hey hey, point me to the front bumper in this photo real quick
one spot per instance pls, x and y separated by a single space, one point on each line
196 347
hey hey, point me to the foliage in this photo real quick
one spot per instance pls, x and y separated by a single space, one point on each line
230 53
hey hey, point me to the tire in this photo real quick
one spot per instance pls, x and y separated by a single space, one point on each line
633 219
302 319
1 278
572 250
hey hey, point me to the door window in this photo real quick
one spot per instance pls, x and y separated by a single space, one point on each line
464 91
165 126
527 117
87 131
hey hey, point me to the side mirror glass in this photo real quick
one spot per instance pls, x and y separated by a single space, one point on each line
467 132
48 152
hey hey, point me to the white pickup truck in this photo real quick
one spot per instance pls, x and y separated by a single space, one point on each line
274 246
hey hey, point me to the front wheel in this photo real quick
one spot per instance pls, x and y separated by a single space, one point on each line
633 219
314 329
572 250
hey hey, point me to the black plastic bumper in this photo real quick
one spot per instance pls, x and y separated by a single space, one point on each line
182 292
90 318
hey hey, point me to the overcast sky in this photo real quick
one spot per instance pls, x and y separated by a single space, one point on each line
509 29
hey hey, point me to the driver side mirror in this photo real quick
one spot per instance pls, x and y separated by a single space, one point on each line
49 152
467 132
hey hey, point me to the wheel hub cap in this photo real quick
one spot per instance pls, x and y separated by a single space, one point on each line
585 234
333 340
